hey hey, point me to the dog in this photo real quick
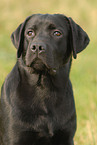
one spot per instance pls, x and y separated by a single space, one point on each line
37 104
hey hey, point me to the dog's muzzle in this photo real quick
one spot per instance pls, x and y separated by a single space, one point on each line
38 48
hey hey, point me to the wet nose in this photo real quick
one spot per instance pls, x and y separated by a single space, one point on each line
38 47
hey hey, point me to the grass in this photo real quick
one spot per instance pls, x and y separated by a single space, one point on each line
84 68
84 78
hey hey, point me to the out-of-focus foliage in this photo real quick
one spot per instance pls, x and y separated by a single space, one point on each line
84 69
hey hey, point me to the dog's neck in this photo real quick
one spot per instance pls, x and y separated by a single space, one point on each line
52 79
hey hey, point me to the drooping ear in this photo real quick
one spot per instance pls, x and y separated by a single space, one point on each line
79 38
17 37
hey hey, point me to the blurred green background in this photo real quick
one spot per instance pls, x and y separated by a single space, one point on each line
84 68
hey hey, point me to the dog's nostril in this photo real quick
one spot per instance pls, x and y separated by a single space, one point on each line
38 48
33 48
41 48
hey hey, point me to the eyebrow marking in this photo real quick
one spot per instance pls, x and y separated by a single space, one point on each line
51 27
33 27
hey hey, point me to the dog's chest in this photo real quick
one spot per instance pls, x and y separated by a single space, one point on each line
38 115
37 107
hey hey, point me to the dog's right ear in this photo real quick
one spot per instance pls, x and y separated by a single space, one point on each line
15 36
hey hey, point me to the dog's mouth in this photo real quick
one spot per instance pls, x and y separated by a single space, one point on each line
38 66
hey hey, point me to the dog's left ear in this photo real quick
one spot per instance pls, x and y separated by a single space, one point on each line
79 38
17 37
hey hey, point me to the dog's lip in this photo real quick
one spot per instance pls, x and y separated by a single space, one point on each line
36 61
45 65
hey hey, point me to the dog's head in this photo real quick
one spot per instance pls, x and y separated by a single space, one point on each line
48 41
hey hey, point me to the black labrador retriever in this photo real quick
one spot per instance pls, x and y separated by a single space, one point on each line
37 103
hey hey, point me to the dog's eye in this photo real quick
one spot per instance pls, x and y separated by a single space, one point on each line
31 33
57 33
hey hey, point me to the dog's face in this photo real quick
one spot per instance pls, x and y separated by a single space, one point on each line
47 41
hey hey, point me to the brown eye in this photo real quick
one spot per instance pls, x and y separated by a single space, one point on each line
57 33
31 33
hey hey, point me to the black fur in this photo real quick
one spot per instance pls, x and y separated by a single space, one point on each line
37 103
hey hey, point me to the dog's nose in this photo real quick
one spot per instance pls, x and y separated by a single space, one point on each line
38 47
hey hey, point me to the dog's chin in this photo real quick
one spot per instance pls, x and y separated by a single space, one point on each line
38 66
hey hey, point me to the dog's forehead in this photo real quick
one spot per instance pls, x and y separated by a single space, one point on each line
47 19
